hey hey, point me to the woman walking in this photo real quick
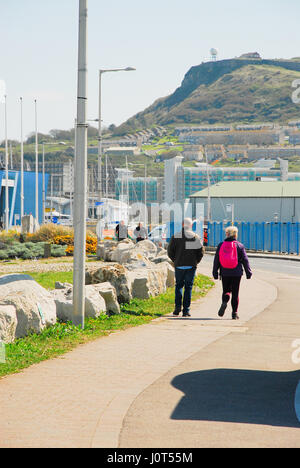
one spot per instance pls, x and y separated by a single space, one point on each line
230 258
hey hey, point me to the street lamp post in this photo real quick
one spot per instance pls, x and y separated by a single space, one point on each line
43 176
44 191
22 162
208 190
36 167
111 70
80 195
145 186
6 172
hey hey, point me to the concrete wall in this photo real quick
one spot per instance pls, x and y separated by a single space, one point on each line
254 209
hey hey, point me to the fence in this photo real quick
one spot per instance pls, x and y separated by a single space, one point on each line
265 237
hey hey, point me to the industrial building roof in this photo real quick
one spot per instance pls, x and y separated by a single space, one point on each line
270 189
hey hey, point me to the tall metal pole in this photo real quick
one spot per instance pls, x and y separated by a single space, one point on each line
100 188
44 185
127 182
100 142
80 194
74 171
51 193
6 172
106 175
11 156
36 167
22 162
145 197
208 191
71 190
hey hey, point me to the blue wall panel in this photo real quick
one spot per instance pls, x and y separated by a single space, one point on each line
29 193
265 237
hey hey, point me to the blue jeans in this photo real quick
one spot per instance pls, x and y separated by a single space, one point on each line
184 279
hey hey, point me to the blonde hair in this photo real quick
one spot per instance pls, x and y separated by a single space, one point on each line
231 231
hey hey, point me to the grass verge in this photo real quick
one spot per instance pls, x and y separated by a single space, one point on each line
63 337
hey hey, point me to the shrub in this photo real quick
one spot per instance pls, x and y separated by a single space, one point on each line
3 255
64 240
49 232
58 250
9 237
30 250
91 243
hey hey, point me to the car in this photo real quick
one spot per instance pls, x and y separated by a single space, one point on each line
198 227
158 234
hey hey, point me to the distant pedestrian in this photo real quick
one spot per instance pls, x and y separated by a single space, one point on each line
230 258
186 251
121 231
140 232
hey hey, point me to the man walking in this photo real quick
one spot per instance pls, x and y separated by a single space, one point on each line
121 231
140 233
186 251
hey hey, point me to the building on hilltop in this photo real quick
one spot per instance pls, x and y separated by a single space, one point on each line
251 55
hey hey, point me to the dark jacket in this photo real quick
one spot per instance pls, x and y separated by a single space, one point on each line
121 231
238 270
185 249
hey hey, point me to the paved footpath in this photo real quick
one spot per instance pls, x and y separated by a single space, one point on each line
172 383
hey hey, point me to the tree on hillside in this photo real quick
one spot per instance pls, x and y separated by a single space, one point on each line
41 137
10 142
62 135
92 132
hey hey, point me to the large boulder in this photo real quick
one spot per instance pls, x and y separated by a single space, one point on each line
95 304
122 252
115 274
161 259
34 306
64 304
161 251
108 292
59 285
8 323
150 282
106 249
147 248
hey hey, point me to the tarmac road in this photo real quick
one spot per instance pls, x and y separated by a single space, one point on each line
288 267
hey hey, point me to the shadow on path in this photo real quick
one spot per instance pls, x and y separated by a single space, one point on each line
239 396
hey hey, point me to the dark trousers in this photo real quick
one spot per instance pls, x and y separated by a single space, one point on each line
184 279
231 285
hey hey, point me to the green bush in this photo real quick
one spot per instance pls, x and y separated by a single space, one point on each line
58 250
3 254
9 237
30 250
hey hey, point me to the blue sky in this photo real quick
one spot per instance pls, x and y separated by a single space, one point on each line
162 39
